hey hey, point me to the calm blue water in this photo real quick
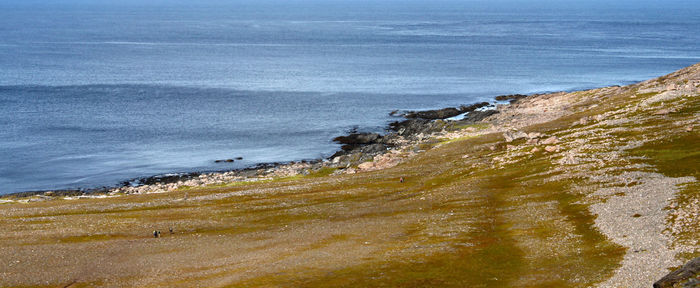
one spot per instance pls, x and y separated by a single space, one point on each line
96 92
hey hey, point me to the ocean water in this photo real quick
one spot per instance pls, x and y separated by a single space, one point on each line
93 93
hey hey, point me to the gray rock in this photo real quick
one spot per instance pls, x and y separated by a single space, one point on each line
512 98
552 148
473 107
358 138
476 116
511 136
686 276
550 141
434 114
664 111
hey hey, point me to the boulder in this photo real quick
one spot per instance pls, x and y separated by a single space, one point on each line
664 111
686 276
550 141
511 136
534 135
551 149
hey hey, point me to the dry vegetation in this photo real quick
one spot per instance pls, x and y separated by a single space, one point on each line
615 204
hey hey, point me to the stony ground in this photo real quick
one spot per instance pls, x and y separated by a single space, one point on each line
594 188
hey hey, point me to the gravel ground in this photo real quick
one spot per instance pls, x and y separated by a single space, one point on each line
636 219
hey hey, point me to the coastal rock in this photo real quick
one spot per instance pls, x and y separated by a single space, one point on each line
476 116
358 138
473 107
687 276
373 149
409 127
434 114
512 98
443 113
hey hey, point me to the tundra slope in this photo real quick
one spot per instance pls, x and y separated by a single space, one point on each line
591 188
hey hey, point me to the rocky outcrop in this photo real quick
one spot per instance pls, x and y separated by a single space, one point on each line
476 116
434 114
686 276
512 97
473 107
442 113
358 138
409 127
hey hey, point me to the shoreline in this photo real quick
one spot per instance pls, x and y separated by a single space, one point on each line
409 130
593 164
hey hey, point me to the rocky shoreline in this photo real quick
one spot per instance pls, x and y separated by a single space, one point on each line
359 151
611 170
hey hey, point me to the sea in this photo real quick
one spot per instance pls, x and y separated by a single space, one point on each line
93 93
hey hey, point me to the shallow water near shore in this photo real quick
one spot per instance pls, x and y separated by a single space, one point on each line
96 94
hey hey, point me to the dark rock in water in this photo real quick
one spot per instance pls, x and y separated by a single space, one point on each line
477 116
358 138
512 98
433 114
218 161
470 108
171 178
442 113
239 158
229 160
686 276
